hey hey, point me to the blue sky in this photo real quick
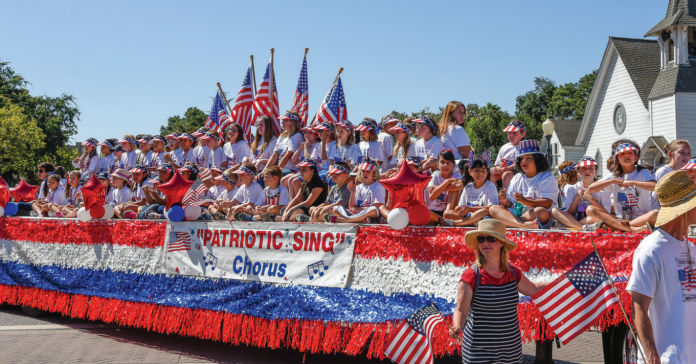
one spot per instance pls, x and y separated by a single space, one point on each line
132 64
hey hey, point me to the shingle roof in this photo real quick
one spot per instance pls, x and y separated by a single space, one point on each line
675 79
642 60
567 131
679 12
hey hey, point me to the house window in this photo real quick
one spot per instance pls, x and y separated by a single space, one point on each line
555 154
598 158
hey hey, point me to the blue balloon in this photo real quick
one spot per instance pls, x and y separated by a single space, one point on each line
175 213
11 209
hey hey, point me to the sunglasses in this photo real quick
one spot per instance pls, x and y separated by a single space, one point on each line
490 239
41 171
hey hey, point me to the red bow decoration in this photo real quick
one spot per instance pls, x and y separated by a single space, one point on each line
93 193
175 189
4 193
24 192
405 186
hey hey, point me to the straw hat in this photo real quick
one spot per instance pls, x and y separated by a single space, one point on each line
676 192
490 227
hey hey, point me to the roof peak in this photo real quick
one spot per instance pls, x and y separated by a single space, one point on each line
679 12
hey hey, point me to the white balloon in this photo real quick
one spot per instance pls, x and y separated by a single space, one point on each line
2 211
192 212
83 215
397 219
166 213
108 212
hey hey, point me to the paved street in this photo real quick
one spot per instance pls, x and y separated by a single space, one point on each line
51 338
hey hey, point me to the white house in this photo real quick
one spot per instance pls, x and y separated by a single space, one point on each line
645 90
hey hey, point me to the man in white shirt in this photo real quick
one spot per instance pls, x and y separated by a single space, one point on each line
663 283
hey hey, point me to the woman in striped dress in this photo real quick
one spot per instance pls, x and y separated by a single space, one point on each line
491 332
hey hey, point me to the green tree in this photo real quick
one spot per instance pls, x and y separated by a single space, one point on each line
420 114
536 102
569 100
484 125
21 142
193 119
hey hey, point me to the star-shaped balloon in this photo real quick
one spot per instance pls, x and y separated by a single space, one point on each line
24 192
93 193
4 193
405 186
175 189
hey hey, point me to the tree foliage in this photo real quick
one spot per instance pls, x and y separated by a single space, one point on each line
193 119
419 114
21 142
548 101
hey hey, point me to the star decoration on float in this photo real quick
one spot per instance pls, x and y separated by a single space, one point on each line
406 186
175 189
24 192
93 193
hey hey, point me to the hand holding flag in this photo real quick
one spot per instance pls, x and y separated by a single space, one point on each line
410 341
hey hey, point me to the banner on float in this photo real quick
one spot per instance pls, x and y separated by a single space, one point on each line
306 254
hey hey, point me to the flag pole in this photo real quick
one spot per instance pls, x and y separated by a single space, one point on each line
628 322
253 73
271 80
224 98
315 115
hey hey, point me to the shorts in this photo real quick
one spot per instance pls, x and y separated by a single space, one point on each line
438 213
305 209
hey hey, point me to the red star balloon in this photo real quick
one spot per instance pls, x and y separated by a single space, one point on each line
4 193
24 192
175 189
405 186
93 193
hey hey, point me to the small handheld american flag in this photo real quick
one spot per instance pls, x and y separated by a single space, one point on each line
410 342
300 103
333 109
574 301
218 119
242 108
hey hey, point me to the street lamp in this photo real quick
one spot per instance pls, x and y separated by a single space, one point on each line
548 126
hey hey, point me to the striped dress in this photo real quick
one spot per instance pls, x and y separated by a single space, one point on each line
492 331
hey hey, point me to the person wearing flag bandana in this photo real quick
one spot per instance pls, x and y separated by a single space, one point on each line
145 154
504 167
88 162
129 156
201 151
129 209
430 145
385 137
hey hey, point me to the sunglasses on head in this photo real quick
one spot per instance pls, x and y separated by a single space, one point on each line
490 239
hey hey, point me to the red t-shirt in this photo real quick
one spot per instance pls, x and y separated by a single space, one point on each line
469 277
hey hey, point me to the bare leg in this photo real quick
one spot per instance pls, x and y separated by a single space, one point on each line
496 177
608 219
566 219
537 213
341 219
639 223
507 177
502 214
472 220
296 185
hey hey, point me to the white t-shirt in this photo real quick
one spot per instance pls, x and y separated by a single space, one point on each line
487 195
120 196
138 194
399 156
276 197
201 155
661 271
227 196
87 170
186 157
344 153
314 153
440 202
253 194
214 192
110 196
455 137
106 163
508 152
268 152
604 198
144 158
640 198
216 158
286 145
429 149
367 196
326 163
237 152
128 160
177 156
662 171
57 196
73 200
543 185
373 150
387 142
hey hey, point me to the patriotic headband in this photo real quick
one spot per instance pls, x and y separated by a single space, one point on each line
189 167
146 140
345 124
160 138
166 167
289 116
585 162
530 147
625 147
368 164
337 169
210 136
91 142
309 130
690 165
245 170
127 140
570 168
173 136
198 133
107 143
138 168
186 136
217 169
324 126
401 127
427 120
415 161
485 157
515 126
389 118
366 125
223 177
309 162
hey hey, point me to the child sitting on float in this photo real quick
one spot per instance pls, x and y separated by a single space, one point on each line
339 194
531 195
228 181
216 155
312 193
444 187
369 146
249 195
310 148
344 150
88 162
478 195
679 153
366 200
504 168
54 197
574 194
264 143
288 146
201 152
275 196
630 186
129 156
403 148
73 194
429 146
386 139
156 201
236 148
121 192
129 210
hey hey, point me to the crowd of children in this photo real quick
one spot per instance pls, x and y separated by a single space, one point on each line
331 173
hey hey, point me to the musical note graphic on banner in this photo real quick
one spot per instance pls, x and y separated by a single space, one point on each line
210 260
315 268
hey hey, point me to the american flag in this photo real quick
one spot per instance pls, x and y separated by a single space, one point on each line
687 278
262 102
218 119
410 342
333 108
575 300
179 241
243 104
271 200
201 190
301 101
192 198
